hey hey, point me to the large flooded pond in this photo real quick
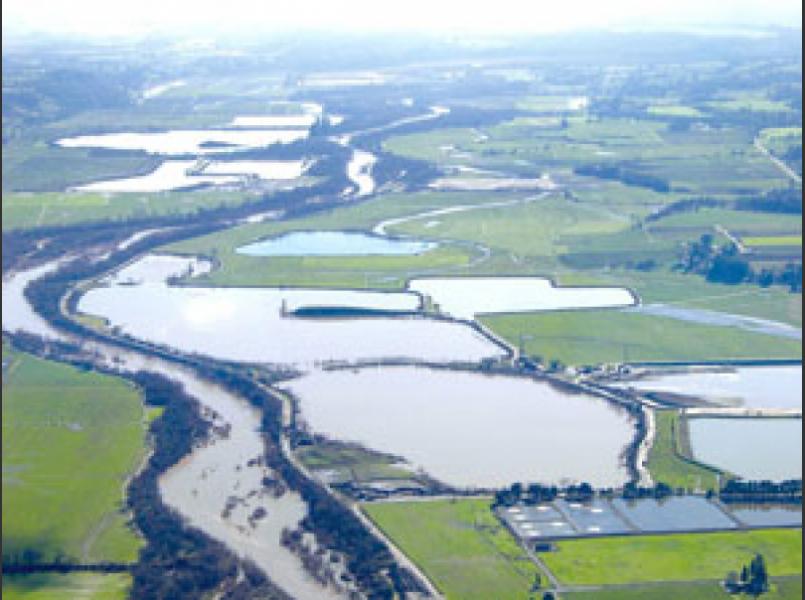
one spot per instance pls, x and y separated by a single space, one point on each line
207 141
750 387
334 243
468 429
248 324
768 448
465 297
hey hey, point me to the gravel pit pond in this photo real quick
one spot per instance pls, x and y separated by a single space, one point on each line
249 324
334 243
750 448
468 429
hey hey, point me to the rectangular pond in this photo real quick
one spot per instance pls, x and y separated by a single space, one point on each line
767 515
594 517
468 429
465 297
334 243
677 513
769 448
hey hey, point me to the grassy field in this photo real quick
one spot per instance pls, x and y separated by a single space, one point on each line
665 462
608 336
70 439
679 557
22 210
778 240
75 586
783 588
460 545
695 161
388 272
674 110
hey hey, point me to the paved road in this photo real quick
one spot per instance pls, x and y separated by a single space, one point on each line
780 164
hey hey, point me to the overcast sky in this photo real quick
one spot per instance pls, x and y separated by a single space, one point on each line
120 17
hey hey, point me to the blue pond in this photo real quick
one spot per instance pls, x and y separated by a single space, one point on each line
334 243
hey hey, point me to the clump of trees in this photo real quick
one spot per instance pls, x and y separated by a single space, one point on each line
725 264
753 579
625 175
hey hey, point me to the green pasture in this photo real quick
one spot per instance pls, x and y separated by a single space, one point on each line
667 459
782 588
75 586
611 336
460 546
70 440
677 557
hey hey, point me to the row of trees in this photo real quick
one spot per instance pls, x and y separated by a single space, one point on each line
626 175
762 491
753 579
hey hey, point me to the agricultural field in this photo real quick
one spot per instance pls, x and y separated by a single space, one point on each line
677 557
460 545
22 210
70 440
76 586
782 588
609 336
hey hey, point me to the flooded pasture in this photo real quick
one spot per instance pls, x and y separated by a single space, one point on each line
465 297
253 324
468 429
750 448
750 387
208 141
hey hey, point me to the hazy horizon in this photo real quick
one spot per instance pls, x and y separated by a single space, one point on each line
96 19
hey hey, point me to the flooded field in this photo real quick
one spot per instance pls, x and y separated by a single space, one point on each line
175 142
334 243
468 429
170 175
465 297
359 172
751 387
247 324
488 184
750 448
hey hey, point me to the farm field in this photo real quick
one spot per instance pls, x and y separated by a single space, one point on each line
609 336
677 557
75 586
460 545
665 460
22 210
70 439
782 588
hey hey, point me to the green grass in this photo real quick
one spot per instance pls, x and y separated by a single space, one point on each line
778 240
666 461
22 210
674 110
388 272
677 557
351 462
787 588
75 586
751 103
609 336
460 546
70 439
533 229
